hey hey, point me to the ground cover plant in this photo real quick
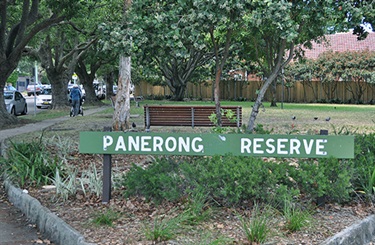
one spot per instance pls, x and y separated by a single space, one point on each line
210 200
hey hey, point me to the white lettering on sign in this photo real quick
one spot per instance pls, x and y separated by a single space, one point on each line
120 144
320 147
294 146
196 147
308 147
171 144
107 141
270 147
282 146
257 146
134 143
145 142
158 143
153 143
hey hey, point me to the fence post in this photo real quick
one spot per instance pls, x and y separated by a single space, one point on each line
147 118
192 117
238 116
107 169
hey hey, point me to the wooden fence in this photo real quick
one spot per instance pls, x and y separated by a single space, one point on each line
298 92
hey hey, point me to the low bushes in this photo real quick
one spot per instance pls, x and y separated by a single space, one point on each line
231 180
30 164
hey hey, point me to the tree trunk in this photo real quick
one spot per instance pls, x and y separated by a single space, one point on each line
59 91
121 115
91 98
86 79
273 92
258 103
5 117
179 92
217 96
109 84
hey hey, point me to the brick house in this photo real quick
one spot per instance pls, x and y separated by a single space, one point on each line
341 42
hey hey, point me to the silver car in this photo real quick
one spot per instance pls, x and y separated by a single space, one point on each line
15 102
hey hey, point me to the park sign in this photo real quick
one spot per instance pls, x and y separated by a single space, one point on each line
209 144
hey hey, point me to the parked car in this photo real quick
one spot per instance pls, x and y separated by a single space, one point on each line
46 86
44 100
34 87
15 103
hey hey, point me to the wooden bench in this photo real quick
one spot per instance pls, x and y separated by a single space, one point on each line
194 116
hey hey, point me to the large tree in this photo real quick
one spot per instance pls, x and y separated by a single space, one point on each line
166 39
219 21
181 36
356 69
87 68
280 26
96 61
58 52
20 22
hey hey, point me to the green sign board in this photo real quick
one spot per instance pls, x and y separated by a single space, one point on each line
291 146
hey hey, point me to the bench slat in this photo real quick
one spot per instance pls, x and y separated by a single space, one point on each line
184 115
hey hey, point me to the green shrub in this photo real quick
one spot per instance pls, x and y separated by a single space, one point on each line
106 218
232 179
30 164
295 217
257 227
160 181
329 177
364 163
198 208
164 228
226 179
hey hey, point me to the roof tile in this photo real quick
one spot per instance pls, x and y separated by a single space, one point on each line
341 42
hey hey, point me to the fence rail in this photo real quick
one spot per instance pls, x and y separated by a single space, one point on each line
298 92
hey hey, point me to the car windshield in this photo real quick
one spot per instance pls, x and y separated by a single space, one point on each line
8 96
47 91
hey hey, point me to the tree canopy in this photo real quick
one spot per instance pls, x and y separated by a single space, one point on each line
20 22
176 37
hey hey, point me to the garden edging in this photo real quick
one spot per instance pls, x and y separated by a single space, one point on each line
47 222
60 232
361 232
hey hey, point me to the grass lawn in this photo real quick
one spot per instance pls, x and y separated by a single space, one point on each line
310 118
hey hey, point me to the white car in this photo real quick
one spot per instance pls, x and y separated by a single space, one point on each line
44 100
34 88
15 103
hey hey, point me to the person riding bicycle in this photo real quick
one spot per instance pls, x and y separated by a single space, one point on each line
75 96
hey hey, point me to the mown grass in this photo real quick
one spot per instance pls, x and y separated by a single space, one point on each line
310 118
45 114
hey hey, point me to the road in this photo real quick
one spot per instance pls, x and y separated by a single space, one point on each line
31 105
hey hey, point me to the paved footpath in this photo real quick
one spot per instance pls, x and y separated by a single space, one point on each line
4 134
15 228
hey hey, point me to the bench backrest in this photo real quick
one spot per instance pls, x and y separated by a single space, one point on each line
194 116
